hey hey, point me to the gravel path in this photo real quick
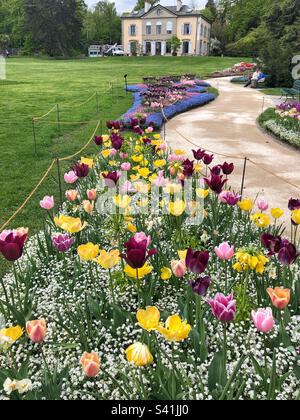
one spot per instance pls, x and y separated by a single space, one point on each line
228 126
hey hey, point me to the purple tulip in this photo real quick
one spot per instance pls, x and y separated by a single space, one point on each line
113 125
201 285
111 179
137 253
62 242
288 253
188 168
117 141
81 170
223 307
227 168
207 159
229 198
216 170
198 154
215 183
294 204
271 243
12 243
197 261
98 140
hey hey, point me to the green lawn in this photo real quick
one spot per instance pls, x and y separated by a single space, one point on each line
33 86
273 91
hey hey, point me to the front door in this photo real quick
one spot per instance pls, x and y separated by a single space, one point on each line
185 47
158 48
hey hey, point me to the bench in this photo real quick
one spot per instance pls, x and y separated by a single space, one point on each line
244 79
293 92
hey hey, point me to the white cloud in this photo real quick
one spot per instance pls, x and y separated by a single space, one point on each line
128 5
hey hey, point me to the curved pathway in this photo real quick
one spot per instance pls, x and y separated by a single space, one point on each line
228 126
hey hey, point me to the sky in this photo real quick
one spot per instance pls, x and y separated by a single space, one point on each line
127 5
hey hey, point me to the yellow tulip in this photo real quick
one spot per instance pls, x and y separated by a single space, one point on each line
198 167
166 273
173 188
69 224
148 318
108 260
139 354
137 158
159 163
296 216
175 329
202 193
277 213
182 255
131 227
142 272
246 204
179 152
122 201
105 153
88 162
88 252
261 220
176 208
144 172
8 336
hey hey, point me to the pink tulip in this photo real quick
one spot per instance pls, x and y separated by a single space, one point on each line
223 307
126 166
123 155
178 268
70 177
127 187
263 320
91 194
113 152
160 181
150 129
224 251
36 330
141 237
90 364
47 203
263 205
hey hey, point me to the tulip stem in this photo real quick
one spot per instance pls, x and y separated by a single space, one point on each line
112 287
46 363
225 348
266 354
17 284
5 294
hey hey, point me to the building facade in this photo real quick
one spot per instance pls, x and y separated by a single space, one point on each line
148 31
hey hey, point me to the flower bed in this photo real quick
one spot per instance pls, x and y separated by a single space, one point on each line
196 299
174 96
283 122
239 69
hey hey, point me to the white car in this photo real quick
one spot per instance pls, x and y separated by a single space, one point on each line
115 52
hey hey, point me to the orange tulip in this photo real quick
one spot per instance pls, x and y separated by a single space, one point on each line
36 330
280 297
90 364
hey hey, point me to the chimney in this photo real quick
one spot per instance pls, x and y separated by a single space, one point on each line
179 5
147 6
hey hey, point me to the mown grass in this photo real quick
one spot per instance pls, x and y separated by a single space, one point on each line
33 86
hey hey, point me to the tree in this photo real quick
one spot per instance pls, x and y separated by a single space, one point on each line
141 4
54 26
212 8
175 44
104 24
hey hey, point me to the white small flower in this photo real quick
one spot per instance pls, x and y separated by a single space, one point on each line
24 386
10 386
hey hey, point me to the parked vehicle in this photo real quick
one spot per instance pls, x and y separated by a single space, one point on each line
115 51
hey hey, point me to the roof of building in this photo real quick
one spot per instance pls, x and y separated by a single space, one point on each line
184 11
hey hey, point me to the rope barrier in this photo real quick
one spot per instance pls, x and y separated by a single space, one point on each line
29 197
81 104
45 115
243 158
45 176
69 122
